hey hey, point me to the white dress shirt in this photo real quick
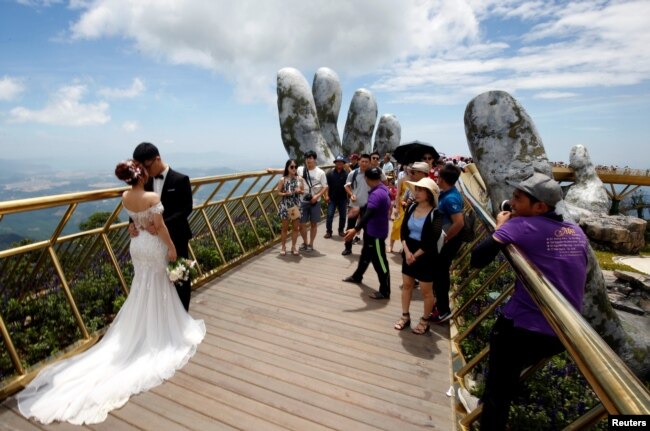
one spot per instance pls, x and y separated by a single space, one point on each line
159 182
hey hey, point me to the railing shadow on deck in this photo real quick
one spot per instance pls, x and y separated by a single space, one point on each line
478 293
57 295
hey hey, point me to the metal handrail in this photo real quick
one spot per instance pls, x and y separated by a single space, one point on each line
619 390
234 203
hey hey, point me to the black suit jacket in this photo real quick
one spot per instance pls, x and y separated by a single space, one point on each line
176 197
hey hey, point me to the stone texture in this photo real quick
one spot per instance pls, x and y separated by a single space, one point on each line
388 134
630 345
619 233
299 125
327 93
587 192
360 124
504 143
640 281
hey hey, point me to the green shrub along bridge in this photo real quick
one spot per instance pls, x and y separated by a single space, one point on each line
289 346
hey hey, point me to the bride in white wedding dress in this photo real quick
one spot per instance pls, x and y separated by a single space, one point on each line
151 337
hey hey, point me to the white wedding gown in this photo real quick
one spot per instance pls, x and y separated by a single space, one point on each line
151 337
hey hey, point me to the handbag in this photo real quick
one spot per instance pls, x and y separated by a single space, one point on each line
294 212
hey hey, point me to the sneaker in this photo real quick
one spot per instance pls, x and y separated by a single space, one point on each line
440 318
328 235
469 401
356 240
304 247
351 279
434 314
346 252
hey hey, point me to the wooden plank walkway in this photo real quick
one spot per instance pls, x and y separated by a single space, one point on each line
291 346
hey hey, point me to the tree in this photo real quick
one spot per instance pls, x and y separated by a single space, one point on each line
96 220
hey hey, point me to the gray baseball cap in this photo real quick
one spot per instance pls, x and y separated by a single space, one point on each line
541 187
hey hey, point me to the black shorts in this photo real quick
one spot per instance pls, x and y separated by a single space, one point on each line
422 269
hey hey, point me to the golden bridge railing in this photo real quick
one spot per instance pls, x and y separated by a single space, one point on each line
57 294
615 386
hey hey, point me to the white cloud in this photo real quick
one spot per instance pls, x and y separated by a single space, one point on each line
577 45
554 95
38 3
10 88
136 89
437 46
65 108
248 41
130 126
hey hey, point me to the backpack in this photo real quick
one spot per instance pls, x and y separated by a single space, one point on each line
354 178
468 232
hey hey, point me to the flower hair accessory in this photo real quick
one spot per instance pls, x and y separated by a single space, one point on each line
135 171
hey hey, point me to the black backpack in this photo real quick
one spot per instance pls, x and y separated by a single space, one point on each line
468 232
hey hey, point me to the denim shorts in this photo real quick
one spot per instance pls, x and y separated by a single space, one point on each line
310 212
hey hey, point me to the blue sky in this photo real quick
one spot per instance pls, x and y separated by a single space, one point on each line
82 82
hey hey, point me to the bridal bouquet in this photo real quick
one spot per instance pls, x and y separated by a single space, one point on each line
181 270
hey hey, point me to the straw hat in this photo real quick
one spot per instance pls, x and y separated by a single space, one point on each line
426 183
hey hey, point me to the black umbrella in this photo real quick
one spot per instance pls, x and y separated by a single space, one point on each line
413 151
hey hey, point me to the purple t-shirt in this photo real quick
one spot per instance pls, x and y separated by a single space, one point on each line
559 250
379 199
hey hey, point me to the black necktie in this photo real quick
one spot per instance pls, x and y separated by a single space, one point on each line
159 177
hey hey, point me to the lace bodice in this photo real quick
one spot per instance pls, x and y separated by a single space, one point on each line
142 219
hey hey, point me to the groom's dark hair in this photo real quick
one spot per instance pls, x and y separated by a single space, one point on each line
145 151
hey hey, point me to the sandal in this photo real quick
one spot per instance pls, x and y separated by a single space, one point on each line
294 252
422 328
403 322
283 253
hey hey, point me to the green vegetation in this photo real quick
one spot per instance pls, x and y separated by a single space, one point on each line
553 396
606 261
96 220
35 308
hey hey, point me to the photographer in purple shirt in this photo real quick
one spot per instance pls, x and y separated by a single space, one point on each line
521 336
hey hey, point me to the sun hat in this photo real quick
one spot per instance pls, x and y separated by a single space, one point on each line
541 187
426 183
420 167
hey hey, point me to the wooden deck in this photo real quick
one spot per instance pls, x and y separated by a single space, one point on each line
291 346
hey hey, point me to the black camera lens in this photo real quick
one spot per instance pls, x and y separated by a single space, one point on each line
505 206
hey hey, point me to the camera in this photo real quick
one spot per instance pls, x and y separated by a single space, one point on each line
505 206
307 197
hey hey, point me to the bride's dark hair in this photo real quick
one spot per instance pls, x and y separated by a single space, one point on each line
130 171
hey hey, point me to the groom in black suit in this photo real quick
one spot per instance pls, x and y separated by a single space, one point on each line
176 196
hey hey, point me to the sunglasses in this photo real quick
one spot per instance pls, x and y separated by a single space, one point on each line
428 158
292 166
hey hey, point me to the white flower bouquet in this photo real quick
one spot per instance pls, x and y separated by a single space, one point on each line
181 270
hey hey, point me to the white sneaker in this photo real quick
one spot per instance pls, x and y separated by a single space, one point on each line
469 401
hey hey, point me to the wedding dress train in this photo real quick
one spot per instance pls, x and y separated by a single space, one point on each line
151 337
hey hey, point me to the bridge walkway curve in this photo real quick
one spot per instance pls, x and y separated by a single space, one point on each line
291 346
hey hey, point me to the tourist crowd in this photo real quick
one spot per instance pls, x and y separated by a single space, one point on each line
369 191
426 210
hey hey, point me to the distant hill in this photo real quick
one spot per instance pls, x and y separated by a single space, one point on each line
24 179
6 239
